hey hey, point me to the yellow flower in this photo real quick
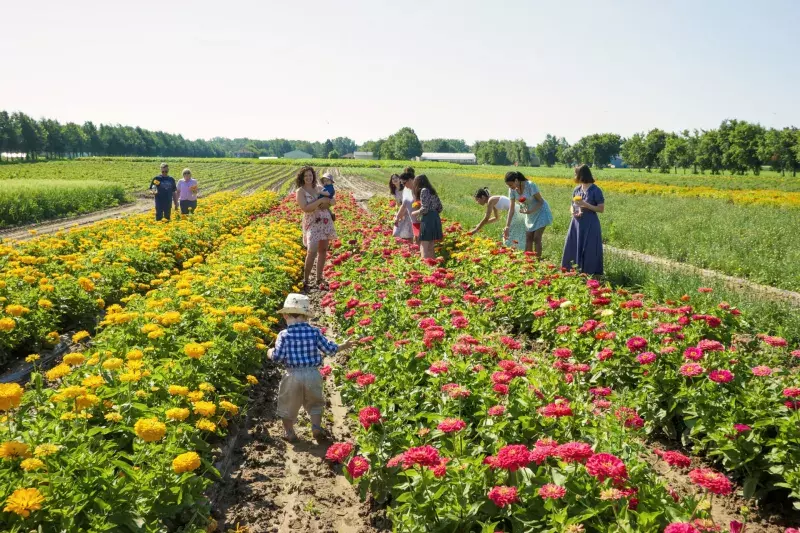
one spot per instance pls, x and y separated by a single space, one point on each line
43 450
241 327
131 376
207 387
185 462
150 429
72 391
23 501
205 408
252 380
100 303
194 350
32 358
78 337
229 407
134 365
577 198
30 465
58 372
134 355
10 396
52 337
84 402
178 413
196 396
16 310
74 359
115 363
205 425
113 417
178 390
86 284
68 416
45 303
155 334
147 328
92 382
13 449
7 324
170 318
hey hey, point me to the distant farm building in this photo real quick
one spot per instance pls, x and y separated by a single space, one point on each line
297 154
244 153
617 162
364 155
268 157
348 156
464 159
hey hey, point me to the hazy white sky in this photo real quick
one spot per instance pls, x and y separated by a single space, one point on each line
363 69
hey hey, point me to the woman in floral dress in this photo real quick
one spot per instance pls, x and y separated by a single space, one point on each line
532 205
318 228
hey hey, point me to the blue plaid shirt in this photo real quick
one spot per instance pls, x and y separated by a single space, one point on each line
299 345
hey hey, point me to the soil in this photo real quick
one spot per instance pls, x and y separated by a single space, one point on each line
276 486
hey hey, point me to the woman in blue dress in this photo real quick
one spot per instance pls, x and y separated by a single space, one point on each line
584 245
532 205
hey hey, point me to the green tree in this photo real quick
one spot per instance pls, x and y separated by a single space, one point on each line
491 152
563 152
344 145
709 152
633 151
327 148
741 142
333 154
675 152
75 139
547 150
654 143
517 152
9 134
33 138
95 143
402 145
778 149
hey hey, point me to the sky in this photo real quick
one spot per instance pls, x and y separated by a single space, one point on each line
465 69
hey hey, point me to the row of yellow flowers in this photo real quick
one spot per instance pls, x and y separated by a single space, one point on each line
767 197
116 437
64 280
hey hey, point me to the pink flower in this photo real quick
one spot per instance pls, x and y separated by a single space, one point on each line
503 496
680 527
338 452
736 526
562 353
365 322
693 354
459 322
711 480
721 376
574 452
512 457
365 379
422 456
439 367
500 388
761 370
357 467
646 358
606 466
605 354
741 428
791 392
691 370
777 342
552 492
353 374
601 391
325 371
451 425
706 345
636 344
705 290
563 329
496 410
501 377
369 416
673 458
556 409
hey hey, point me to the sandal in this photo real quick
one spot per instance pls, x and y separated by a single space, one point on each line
290 437
320 433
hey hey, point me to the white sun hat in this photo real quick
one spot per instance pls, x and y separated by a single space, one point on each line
296 304
328 175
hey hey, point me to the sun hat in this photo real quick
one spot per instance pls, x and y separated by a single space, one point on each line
296 304
329 176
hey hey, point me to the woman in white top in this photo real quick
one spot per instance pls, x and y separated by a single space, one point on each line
404 219
495 204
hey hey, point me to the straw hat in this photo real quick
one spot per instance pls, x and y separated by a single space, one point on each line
296 304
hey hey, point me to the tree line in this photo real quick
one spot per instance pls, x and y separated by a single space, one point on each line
21 133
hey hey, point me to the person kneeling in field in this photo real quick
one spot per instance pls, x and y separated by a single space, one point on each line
299 348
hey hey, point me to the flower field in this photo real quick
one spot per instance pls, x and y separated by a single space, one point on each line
63 281
27 201
495 392
118 437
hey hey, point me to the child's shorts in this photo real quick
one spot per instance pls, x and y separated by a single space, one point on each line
300 387
415 228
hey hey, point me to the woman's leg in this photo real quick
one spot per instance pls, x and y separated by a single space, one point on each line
529 241
537 241
322 256
427 249
311 256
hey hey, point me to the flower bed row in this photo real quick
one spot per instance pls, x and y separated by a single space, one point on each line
465 428
66 279
118 437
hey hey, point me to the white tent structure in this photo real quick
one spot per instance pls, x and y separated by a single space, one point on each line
464 159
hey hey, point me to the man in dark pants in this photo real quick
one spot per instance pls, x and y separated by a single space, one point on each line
165 192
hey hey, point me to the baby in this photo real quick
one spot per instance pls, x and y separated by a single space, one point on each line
327 186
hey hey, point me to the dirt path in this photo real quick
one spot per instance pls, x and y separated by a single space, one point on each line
279 487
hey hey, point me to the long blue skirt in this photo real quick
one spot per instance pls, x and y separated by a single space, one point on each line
584 245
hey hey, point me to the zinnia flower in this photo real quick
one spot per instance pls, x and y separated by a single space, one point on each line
365 379
711 480
691 370
512 457
674 458
23 501
646 358
574 452
369 416
13 449
636 344
451 425
185 462
606 466
503 496
496 410
422 456
721 376
680 527
10 396
339 451
761 370
194 350
358 466
205 409
552 492
150 429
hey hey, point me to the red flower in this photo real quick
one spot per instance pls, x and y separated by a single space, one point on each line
552 492
500 388
503 496
556 409
574 452
512 457
358 466
338 452
450 425
521 199
741 428
510 343
459 322
422 456
630 417
441 469
365 322
369 416
353 374
563 329
600 391
720 376
691 370
325 371
705 290
791 392
413 302
365 379
778 342
439 367
646 358
606 466
562 353
605 354
636 344
496 410
706 345
693 354
761 371
673 458
680 527
711 480
501 377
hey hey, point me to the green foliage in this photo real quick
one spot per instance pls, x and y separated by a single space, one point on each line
445 146
548 150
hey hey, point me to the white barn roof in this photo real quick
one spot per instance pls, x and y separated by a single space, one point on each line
450 156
